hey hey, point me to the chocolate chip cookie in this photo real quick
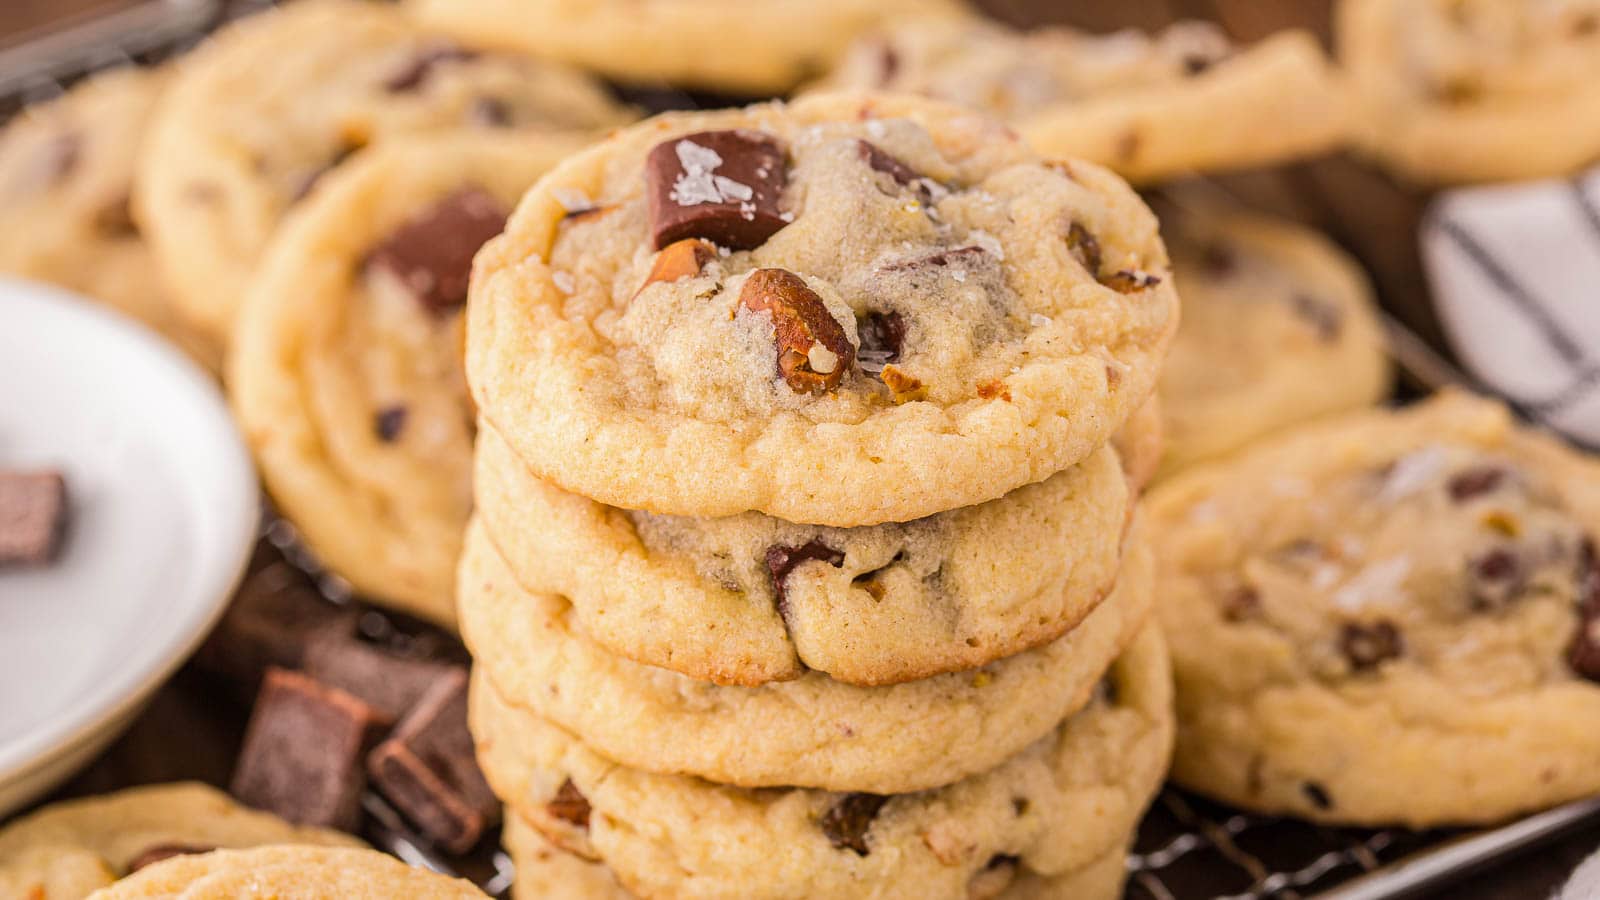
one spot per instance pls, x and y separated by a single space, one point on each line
811 731
66 169
746 49
231 151
1148 106
346 373
844 311
69 850
748 599
1066 802
269 873
1388 618
1279 327
1474 90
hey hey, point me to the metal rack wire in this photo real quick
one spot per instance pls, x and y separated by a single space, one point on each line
1187 848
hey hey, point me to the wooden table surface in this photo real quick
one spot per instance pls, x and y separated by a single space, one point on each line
193 726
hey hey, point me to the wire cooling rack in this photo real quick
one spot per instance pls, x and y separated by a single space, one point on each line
1188 848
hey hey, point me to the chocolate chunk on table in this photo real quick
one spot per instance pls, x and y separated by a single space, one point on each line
428 770
303 750
430 256
389 683
33 516
723 186
275 616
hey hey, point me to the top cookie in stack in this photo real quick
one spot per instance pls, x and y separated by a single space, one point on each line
796 472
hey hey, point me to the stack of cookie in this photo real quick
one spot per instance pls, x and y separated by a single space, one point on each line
804 562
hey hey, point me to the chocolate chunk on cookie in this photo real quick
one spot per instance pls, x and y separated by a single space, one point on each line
427 768
724 186
781 560
846 824
430 256
33 516
302 752
164 851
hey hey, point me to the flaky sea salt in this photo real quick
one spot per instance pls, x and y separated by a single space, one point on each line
564 282
1411 473
699 182
571 199
1039 320
1380 580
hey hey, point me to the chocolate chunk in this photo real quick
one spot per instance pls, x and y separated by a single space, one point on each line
1475 482
1495 578
1368 646
1317 794
1127 281
1085 248
33 517
430 255
388 422
303 750
1219 260
570 805
813 350
782 559
881 161
428 770
1324 318
115 219
1242 603
489 112
164 851
388 683
1584 653
882 335
422 63
967 257
275 615
847 822
724 186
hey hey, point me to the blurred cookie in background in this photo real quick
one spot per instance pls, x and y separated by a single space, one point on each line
1279 327
66 170
747 49
1451 91
232 151
1146 105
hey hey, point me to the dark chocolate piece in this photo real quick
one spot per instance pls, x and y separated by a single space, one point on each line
1368 646
938 259
388 683
782 559
303 751
275 615
1495 579
428 770
431 254
1085 248
724 186
846 824
388 422
422 63
570 805
33 517
883 335
1584 653
164 851
1127 281
1475 482
881 161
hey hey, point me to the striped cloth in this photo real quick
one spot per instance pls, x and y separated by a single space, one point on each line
1515 275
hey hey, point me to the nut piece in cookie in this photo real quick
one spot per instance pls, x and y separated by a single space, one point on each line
430 256
724 186
33 516
813 350
680 259
302 752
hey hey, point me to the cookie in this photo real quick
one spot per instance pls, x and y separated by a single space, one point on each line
1063 803
546 872
867 309
746 49
287 873
812 731
749 599
68 850
66 169
346 370
1391 618
1279 327
230 152
1149 106
1474 90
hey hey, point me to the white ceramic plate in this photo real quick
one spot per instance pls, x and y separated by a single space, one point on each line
164 511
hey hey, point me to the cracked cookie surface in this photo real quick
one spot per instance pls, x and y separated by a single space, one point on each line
68 850
1474 90
955 317
346 374
1148 106
230 152
1064 803
810 731
1387 618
